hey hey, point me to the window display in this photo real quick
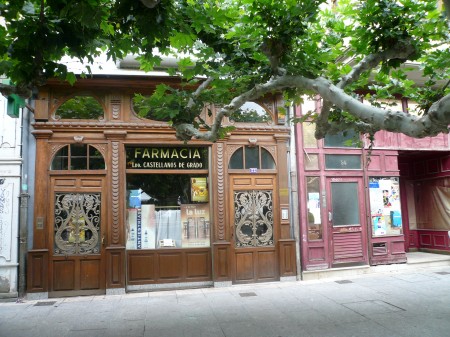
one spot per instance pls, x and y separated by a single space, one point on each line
165 211
314 218
385 206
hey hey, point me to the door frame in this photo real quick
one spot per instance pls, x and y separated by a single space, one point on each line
349 233
74 184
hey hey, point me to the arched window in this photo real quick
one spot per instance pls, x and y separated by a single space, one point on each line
80 107
78 157
248 157
251 112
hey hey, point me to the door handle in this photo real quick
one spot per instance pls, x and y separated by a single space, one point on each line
103 240
330 216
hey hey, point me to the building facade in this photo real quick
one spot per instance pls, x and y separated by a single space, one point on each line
362 205
122 205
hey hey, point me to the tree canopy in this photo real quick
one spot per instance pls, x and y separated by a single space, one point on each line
236 51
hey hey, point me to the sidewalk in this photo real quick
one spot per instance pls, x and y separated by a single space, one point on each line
396 303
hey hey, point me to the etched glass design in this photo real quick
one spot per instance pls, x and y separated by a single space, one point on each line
77 223
253 218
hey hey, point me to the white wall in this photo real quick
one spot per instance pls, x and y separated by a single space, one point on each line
10 171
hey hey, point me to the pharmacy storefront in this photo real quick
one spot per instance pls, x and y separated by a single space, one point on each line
122 205
168 226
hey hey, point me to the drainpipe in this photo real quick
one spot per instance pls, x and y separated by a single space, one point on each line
24 196
293 188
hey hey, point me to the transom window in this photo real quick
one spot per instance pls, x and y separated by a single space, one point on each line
78 157
251 112
80 107
252 157
348 138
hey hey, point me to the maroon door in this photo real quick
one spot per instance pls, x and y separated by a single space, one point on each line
346 221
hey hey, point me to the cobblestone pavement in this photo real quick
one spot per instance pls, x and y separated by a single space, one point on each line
408 303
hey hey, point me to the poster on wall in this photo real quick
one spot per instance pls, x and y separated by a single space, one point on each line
195 225
385 206
131 223
199 189
148 223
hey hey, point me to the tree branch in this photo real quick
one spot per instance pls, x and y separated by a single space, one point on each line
7 89
402 51
198 91
434 122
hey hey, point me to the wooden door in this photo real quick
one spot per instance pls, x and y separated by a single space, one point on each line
346 221
254 227
77 237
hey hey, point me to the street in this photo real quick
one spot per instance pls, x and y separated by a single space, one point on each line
409 303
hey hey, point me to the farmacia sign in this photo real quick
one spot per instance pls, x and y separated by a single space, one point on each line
167 158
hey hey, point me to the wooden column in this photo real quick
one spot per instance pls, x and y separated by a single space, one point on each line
115 250
37 264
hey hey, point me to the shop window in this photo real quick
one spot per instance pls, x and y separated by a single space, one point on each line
342 162
385 207
167 211
253 218
251 112
313 200
78 157
80 107
248 157
77 223
348 138
432 204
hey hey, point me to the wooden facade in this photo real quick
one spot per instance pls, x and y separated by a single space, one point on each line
394 160
102 263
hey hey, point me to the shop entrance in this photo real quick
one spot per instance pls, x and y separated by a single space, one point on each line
77 237
346 221
253 227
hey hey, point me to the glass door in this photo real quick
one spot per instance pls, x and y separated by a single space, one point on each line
346 221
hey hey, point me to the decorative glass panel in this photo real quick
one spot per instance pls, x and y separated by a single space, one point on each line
253 218
343 162
80 107
77 223
345 203
314 218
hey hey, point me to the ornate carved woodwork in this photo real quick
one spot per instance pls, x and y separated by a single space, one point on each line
253 216
77 223
115 192
220 192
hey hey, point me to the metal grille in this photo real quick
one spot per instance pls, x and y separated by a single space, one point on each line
77 223
253 218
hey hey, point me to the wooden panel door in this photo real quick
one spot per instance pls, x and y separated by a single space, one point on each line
254 227
346 221
77 234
